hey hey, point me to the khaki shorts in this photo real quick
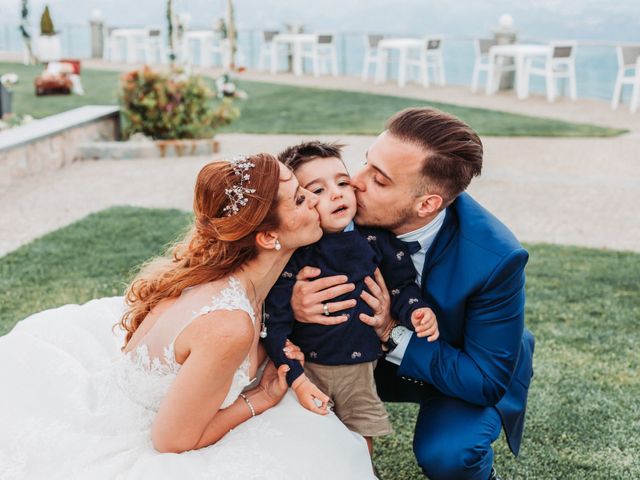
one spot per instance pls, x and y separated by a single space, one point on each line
352 389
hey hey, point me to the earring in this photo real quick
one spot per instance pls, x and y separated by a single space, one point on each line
278 246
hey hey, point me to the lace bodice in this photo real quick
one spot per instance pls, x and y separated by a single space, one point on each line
146 376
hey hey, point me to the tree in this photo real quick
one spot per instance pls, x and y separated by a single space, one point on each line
24 25
46 24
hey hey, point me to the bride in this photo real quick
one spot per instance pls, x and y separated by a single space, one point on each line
182 389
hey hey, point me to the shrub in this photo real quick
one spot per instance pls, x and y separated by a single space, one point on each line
172 105
46 24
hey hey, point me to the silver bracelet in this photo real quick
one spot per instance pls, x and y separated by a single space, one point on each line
253 410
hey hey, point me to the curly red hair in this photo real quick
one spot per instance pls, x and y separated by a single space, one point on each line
215 245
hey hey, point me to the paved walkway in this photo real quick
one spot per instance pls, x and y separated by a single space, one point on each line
546 190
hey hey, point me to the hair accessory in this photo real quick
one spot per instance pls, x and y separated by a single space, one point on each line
236 194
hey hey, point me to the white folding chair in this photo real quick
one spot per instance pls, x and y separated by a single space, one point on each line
558 64
323 53
481 64
628 62
430 57
372 55
154 48
266 49
110 52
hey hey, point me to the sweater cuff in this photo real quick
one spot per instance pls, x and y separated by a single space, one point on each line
295 371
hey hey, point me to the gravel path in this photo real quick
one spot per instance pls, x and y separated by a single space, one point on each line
564 191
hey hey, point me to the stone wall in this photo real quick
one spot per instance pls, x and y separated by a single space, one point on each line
52 142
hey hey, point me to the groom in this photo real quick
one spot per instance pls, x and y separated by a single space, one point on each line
475 378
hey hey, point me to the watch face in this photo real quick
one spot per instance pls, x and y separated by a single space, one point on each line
396 334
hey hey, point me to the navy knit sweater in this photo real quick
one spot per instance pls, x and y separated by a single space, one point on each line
355 254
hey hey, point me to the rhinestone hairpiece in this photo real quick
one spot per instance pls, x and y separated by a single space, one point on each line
236 194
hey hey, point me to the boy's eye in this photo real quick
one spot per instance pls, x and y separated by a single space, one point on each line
343 184
300 200
318 191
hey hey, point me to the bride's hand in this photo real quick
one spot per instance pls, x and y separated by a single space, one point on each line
273 386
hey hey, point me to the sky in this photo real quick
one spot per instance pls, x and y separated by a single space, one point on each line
599 20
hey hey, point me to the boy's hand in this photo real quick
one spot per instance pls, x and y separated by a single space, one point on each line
425 323
308 393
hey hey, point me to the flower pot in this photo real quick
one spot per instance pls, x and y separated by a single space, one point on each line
48 48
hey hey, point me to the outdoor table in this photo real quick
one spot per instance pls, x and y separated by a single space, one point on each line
404 46
297 42
206 40
520 53
130 36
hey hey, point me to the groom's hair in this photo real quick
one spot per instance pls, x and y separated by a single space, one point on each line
453 150
304 152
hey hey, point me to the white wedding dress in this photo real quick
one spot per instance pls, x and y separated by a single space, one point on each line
73 406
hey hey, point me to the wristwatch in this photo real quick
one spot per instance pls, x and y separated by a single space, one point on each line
395 337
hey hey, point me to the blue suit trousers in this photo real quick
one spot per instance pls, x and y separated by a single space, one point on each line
453 438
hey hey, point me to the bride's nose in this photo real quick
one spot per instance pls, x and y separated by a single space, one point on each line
313 200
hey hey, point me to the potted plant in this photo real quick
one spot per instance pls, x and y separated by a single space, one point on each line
47 45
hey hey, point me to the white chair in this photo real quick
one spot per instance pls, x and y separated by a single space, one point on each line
481 64
558 64
133 42
323 53
213 50
372 55
430 57
497 67
628 61
267 49
154 48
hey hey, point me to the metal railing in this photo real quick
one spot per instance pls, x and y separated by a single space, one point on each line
596 63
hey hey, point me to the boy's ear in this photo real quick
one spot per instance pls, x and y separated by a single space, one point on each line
429 205
266 240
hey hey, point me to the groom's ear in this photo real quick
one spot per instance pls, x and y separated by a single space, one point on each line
429 205
266 240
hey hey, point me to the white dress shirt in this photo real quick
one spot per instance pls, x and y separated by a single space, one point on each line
425 236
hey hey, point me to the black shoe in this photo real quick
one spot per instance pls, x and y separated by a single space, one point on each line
494 474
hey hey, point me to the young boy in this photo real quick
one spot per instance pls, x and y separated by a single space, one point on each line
340 359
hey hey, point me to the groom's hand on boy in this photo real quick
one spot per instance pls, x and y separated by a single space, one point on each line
380 302
308 393
309 296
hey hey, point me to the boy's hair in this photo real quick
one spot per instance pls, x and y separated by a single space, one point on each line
304 152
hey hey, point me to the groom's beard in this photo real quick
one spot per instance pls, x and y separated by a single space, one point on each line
390 221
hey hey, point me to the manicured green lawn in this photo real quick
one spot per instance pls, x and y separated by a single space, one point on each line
275 109
100 89
583 306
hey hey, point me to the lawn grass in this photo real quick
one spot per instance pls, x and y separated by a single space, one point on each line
282 109
100 89
273 108
583 305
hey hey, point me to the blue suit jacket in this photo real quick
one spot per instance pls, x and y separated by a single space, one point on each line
474 279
